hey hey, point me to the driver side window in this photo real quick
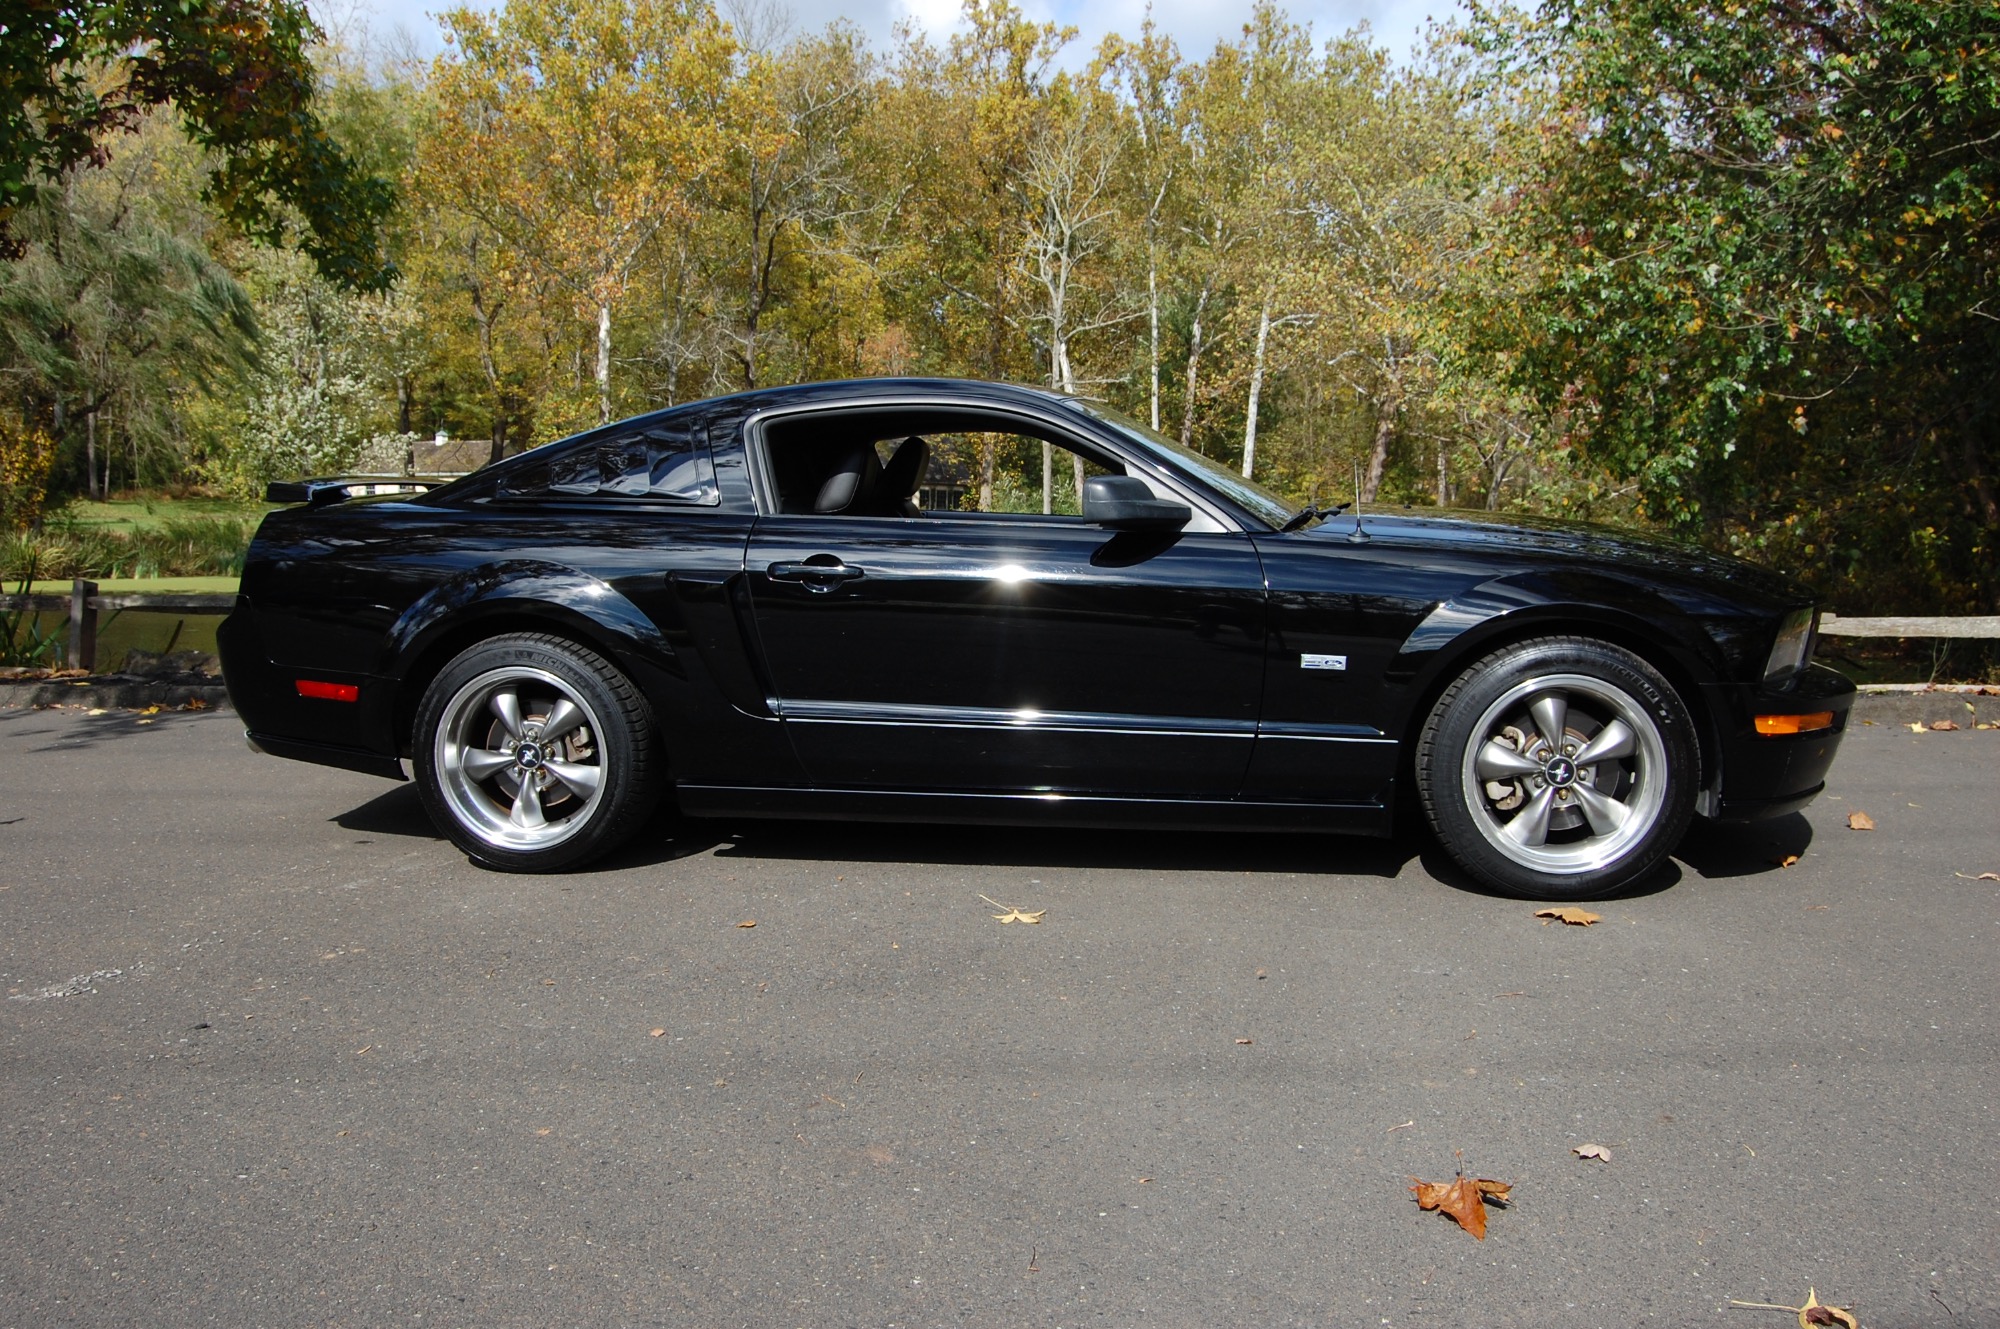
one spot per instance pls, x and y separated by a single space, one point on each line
927 463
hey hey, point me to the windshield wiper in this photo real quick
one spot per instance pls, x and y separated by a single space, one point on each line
1310 513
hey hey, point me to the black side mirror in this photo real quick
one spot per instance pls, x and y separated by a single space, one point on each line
1124 503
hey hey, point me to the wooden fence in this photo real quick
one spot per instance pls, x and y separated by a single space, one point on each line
82 645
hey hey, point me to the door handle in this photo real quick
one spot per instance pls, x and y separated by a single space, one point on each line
820 577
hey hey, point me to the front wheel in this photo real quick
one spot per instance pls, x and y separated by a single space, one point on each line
535 754
1559 769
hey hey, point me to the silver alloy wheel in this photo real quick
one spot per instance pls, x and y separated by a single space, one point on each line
1566 773
520 758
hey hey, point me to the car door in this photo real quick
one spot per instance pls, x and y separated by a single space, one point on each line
980 652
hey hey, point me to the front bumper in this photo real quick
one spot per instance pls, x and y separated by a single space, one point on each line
1767 775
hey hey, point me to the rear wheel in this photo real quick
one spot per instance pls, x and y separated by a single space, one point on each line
1561 769
535 754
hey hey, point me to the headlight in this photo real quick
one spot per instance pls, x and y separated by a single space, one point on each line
1788 653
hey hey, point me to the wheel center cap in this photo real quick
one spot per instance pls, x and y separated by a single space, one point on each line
1560 772
528 756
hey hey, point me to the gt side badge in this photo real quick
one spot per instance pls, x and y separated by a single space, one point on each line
1322 662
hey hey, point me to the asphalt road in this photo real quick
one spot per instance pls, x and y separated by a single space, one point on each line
274 1054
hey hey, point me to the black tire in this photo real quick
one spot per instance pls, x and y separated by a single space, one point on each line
576 736
1526 817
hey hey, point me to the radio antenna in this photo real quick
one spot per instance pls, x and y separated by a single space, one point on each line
1358 536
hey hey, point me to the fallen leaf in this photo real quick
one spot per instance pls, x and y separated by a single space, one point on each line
1943 726
1810 1314
1596 1151
1462 1199
1014 913
544 1130
1860 821
1917 728
656 1033
195 704
1786 861
747 923
1571 915
1243 1042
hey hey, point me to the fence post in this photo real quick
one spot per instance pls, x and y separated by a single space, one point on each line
82 625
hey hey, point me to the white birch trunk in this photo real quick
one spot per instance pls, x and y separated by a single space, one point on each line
604 363
1256 389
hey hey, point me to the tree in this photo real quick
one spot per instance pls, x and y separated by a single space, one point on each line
575 130
73 74
1750 265
111 315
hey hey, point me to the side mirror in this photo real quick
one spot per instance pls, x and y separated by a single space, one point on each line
1124 503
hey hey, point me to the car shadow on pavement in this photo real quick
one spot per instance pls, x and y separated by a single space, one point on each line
1743 849
1052 847
400 811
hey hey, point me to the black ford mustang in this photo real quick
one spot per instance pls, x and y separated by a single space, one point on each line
940 600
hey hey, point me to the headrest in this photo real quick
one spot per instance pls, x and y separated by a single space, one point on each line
850 481
904 471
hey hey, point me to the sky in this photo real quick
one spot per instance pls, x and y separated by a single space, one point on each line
1195 24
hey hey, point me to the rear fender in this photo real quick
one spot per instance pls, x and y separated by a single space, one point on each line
572 603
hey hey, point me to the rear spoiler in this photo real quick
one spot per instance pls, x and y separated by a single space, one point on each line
338 489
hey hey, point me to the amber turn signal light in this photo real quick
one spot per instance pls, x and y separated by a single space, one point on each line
312 687
1794 724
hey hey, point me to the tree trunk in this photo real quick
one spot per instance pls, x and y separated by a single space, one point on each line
498 447
90 452
1153 326
402 403
604 364
1378 455
986 449
1193 365
1256 389
1444 480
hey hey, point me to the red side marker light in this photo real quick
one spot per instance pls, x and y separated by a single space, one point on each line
312 687
1794 724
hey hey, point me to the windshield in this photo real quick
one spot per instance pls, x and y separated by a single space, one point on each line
1252 497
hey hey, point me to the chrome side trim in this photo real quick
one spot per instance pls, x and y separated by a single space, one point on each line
1026 719
1325 733
1030 720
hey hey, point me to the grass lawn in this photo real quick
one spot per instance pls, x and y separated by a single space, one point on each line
146 585
139 512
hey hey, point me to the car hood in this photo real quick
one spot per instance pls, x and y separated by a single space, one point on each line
1572 542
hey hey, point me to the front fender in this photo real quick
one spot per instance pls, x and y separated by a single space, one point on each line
1567 602
526 588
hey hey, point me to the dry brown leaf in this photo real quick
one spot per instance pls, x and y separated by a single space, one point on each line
1596 1151
747 923
1243 1042
1860 821
1787 861
1916 727
1462 1199
1943 726
1988 876
1810 1314
1014 913
656 1033
1571 915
